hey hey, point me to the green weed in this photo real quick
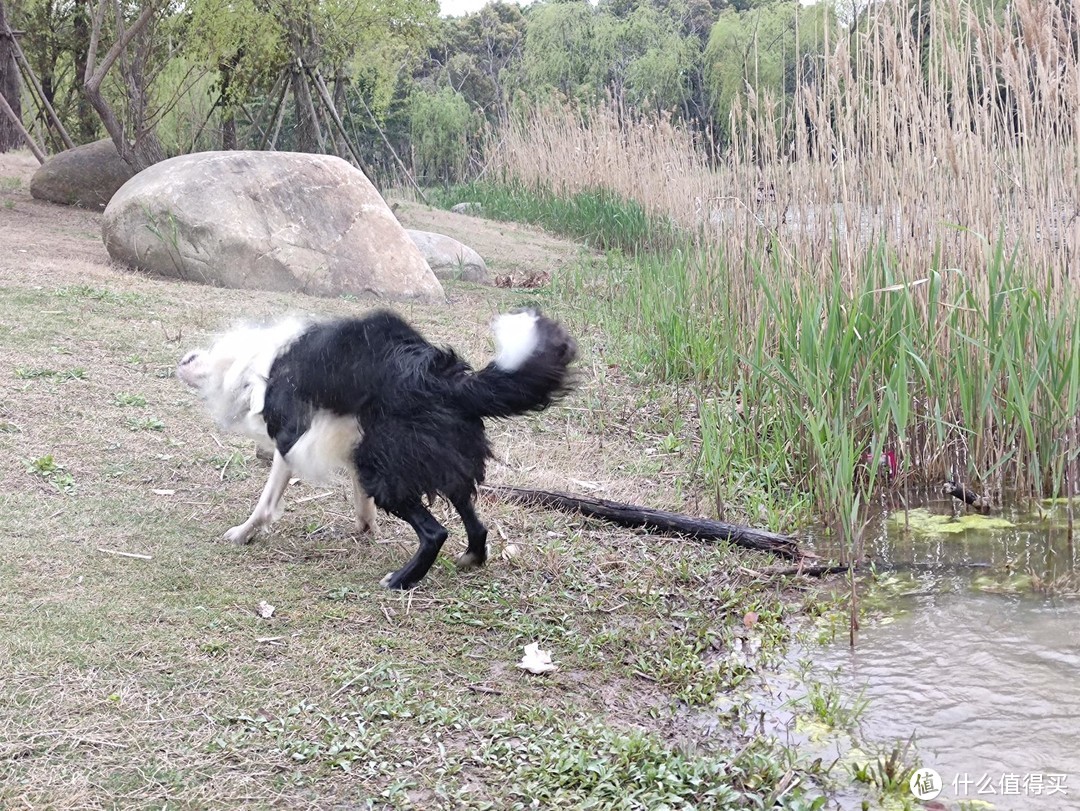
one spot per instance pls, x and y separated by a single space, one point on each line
48 469
597 217
126 399
24 373
144 424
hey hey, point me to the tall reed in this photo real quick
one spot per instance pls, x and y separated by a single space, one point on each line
936 142
885 264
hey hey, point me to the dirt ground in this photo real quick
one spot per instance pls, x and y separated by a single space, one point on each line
137 671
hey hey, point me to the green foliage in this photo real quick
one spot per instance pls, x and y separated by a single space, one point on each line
480 56
641 54
760 53
559 50
242 36
442 125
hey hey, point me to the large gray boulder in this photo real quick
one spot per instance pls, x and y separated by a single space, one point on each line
279 221
450 259
86 176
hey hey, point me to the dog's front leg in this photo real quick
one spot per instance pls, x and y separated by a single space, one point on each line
269 508
365 506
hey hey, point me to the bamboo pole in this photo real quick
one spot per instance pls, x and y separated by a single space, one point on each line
28 72
5 108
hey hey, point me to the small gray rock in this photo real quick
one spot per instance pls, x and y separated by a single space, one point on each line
475 209
449 259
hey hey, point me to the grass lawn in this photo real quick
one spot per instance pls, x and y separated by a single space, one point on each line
153 681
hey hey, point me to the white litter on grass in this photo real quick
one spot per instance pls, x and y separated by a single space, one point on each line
510 551
265 610
536 660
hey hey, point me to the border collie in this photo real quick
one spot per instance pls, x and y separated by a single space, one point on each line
372 397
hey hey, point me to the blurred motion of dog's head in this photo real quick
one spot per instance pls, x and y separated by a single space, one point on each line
230 376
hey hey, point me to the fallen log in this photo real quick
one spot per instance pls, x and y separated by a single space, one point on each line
631 515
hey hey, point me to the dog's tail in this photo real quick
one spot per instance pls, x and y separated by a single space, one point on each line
530 371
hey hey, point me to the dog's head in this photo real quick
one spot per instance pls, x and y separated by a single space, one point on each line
194 368
231 375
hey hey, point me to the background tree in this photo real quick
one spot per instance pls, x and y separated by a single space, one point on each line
10 88
560 49
479 55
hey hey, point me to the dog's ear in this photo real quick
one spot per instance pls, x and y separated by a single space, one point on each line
257 397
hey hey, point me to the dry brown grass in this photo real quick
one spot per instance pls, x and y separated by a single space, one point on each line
901 155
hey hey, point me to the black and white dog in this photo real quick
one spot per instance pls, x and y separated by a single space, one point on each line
372 397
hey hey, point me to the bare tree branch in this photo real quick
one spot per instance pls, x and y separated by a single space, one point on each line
145 149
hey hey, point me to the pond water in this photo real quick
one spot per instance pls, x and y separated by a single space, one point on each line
973 656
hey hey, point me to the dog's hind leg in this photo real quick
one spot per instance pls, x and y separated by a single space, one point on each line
476 554
432 535
364 505
269 508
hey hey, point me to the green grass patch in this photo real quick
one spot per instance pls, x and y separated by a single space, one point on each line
597 217
128 400
144 424
37 373
84 292
800 387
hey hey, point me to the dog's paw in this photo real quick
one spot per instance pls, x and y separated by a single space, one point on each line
397 581
240 535
470 560
366 527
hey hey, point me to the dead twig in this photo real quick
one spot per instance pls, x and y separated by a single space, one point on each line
125 554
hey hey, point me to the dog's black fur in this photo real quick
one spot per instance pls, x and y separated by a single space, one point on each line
421 411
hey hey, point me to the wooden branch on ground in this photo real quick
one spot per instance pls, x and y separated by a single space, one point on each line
831 569
630 515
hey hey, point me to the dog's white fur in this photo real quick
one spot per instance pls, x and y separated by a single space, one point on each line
231 377
516 338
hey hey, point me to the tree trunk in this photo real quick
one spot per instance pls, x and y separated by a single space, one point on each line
308 134
10 88
88 125
137 145
228 110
